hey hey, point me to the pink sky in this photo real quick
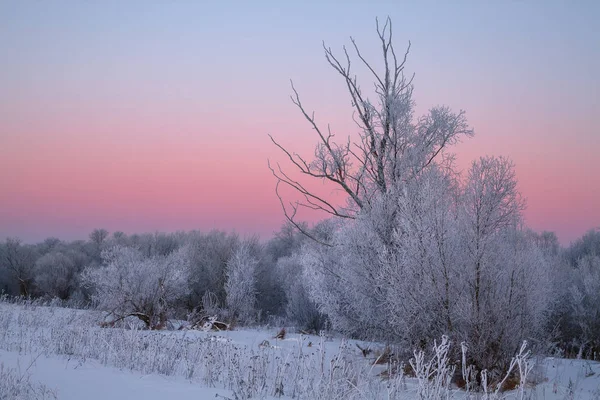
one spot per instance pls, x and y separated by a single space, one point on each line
144 118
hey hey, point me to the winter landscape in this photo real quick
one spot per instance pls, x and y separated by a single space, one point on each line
379 258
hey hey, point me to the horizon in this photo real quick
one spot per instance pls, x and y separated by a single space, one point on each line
146 117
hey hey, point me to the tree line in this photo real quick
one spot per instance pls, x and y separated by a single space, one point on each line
530 287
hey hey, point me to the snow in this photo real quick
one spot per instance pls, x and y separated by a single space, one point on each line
73 380
569 379
65 351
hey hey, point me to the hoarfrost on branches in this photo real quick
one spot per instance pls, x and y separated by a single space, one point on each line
130 284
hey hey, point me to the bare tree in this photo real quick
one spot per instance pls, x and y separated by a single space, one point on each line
98 236
391 145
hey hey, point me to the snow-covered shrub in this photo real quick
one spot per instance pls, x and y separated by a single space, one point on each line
130 284
437 258
391 273
55 275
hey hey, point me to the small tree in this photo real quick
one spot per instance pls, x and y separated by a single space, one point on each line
209 254
129 284
241 284
300 307
55 275
19 260
98 236
97 243
585 305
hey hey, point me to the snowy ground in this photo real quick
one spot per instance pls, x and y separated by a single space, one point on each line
63 354
568 379
72 380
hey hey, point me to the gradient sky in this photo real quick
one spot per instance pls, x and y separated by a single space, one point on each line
153 115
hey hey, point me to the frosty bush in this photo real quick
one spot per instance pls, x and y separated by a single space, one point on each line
130 284
55 275
436 257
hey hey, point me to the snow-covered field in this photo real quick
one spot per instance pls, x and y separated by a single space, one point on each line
64 378
52 352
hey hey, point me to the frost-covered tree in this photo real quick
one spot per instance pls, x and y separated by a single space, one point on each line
424 258
547 242
300 308
576 312
56 275
434 257
98 236
491 203
156 244
18 260
241 284
120 238
130 284
285 242
98 241
391 146
49 244
270 297
513 300
389 275
585 305
209 254
495 265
